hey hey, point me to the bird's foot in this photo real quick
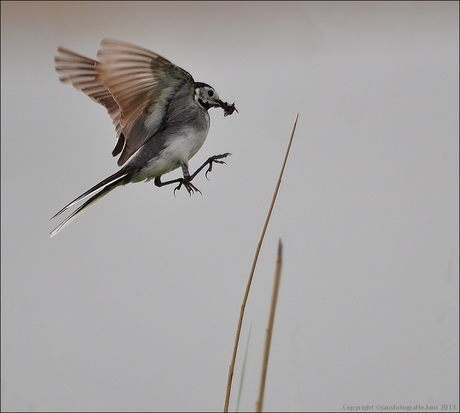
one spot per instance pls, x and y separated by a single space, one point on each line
214 159
186 182
187 179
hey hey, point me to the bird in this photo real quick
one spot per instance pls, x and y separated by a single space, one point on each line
160 115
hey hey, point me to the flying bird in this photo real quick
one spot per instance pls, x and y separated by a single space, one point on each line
160 115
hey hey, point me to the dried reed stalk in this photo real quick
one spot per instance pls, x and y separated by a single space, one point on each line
271 321
231 368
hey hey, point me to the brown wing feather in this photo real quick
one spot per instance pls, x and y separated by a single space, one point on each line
134 84
143 84
81 72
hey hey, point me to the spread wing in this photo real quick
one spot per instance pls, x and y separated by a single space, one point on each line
143 84
134 84
81 72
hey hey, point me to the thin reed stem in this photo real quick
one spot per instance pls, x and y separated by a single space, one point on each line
231 368
271 320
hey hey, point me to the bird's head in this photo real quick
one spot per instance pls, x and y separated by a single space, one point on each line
207 98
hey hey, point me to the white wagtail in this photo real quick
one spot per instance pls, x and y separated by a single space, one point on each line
160 115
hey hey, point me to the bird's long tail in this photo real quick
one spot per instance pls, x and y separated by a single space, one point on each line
119 178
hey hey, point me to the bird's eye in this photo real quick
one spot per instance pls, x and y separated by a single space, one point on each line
210 93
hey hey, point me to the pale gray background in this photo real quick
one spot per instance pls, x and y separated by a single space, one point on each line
134 305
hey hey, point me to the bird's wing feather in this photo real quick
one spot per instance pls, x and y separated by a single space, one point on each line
143 84
81 72
135 85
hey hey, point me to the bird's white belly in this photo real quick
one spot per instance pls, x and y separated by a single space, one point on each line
179 149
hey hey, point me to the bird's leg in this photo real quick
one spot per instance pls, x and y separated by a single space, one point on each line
187 179
182 181
209 162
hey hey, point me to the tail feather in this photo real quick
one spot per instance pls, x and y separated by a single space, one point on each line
116 176
104 187
90 202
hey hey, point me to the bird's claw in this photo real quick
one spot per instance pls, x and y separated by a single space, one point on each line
215 159
188 186
187 180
